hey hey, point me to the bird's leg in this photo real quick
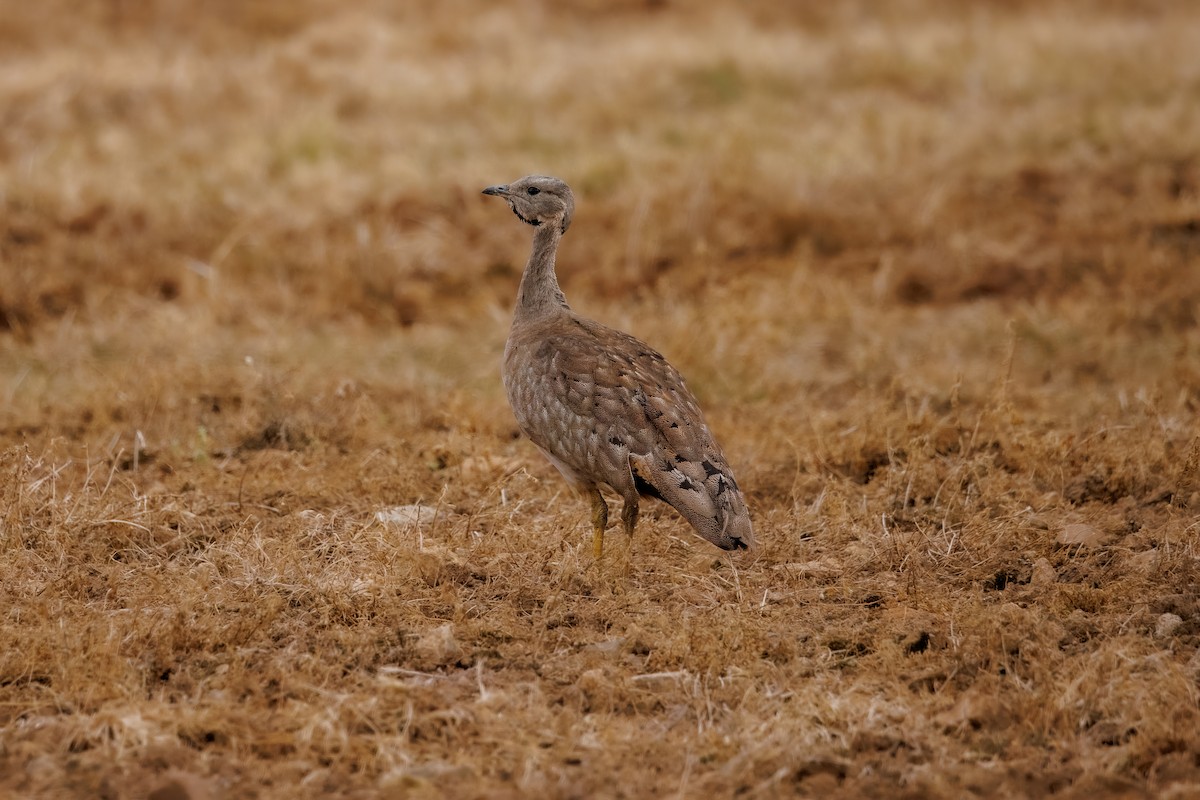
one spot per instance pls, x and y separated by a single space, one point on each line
629 515
599 521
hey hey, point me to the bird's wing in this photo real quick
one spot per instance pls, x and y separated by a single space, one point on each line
670 447
687 469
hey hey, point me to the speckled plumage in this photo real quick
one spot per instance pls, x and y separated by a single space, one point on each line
605 408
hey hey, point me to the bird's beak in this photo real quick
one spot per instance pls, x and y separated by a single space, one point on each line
496 190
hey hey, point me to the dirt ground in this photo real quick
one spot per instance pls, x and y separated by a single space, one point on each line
268 529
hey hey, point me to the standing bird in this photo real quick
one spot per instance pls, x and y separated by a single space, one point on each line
602 406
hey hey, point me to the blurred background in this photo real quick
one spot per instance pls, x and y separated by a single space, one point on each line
321 160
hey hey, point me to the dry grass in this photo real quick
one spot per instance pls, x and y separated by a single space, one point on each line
933 271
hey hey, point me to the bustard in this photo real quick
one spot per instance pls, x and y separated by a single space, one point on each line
603 407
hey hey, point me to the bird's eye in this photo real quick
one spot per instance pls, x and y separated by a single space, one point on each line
532 190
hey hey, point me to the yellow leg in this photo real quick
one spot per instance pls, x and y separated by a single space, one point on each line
599 521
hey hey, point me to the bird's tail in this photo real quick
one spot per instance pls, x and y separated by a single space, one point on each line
705 493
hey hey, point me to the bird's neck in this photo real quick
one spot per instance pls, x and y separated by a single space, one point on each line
539 293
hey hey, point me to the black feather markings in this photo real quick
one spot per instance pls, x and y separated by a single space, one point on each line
644 487
526 220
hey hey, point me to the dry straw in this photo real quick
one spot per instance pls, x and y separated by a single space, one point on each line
268 531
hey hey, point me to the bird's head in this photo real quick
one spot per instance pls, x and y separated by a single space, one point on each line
538 200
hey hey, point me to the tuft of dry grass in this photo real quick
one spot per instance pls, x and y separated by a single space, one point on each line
266 527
